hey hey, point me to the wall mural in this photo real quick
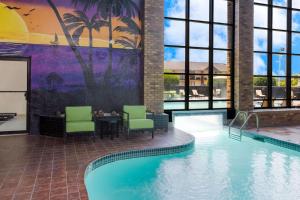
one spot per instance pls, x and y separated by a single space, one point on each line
84 52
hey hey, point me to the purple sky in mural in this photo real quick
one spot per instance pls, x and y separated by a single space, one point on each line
61 60
65 3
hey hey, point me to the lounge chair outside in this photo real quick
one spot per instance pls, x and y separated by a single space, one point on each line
259 94
196 94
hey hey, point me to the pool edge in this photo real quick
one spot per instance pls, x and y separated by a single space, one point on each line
124 155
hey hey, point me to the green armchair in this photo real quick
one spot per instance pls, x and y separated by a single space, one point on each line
134 118
79 119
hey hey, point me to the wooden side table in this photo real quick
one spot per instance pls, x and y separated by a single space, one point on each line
52 126
110 122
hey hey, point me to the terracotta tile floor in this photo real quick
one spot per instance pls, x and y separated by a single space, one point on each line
38 167
285 133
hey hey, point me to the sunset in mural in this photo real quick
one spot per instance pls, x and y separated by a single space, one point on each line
81 52
34 22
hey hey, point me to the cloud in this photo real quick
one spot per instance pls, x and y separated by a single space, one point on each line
260 64
296 4
199 32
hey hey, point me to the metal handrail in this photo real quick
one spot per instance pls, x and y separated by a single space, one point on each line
237 115
247 118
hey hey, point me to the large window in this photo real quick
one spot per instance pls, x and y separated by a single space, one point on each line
198 59
276 53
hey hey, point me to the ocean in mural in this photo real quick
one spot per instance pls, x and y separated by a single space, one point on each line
82 52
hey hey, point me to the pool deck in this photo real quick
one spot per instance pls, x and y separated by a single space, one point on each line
39 167
289 134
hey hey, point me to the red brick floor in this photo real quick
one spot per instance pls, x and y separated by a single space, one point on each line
38 167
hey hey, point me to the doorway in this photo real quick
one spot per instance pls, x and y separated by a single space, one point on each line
14 94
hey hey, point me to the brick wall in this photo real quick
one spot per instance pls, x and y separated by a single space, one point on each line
243 94
154 55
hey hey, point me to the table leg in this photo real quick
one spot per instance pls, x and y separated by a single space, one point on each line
118 129
111 130
101 130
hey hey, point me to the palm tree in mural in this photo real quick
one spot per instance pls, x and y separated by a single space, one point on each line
132 28
87 73
54 80
77 23
109 9
115 8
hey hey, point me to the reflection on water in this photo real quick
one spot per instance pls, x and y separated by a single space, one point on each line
219 168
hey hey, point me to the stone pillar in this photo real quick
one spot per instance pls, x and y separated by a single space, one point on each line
154 54
243 94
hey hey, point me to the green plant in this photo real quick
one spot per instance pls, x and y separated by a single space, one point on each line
171 80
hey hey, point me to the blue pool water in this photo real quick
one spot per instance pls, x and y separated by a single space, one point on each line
218 168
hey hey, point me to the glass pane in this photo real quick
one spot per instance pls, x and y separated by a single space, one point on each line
198 61
296 4
296 43
198 87
279 103
221 104
175 8
279 41
260 88
174 60
261 1
199 10
260 64
295 92
199 34
296 21
296 103
261 103
279 65
13 76
260 40
222 62
17 105
198 105
221 87
174 105
174 33
221 11
295 65
260 16
279 18
279 88
174 87
221 39
280 3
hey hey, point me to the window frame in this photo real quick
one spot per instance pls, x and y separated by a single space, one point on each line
270 53
187 47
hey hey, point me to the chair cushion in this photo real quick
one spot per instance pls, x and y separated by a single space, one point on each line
78 113
84 126
141 124
135 112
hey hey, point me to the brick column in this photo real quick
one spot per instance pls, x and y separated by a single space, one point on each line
243 94
154 54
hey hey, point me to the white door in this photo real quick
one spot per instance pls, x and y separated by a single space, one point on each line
13 91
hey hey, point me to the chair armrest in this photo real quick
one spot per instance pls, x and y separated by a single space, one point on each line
127 121
152 113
